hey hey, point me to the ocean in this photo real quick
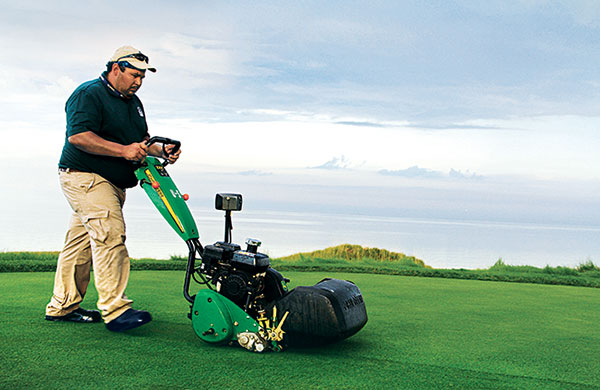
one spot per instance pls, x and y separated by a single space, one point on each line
439 242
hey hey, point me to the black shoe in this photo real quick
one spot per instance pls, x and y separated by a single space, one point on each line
129 320
78 315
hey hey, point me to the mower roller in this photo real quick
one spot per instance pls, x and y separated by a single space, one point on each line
245 301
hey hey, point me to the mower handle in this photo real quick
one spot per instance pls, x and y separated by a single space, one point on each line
165 141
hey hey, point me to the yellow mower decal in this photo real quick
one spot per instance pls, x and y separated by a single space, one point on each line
162 196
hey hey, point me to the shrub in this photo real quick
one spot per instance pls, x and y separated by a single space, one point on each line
587 267
560 271
29 256
500 264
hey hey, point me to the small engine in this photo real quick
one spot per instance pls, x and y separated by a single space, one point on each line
243 276
248 294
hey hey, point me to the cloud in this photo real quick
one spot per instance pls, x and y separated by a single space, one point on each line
584 12
269 114
412 172
304 83
417 172
387 61
434 125
335 163
454 174
362 124
213 57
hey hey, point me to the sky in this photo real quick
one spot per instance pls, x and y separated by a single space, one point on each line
488 106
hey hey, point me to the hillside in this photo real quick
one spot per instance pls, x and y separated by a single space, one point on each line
352 253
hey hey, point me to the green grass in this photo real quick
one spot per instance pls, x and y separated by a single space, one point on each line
423 333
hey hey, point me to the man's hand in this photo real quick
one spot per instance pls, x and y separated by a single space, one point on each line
172 157
136 151
156 150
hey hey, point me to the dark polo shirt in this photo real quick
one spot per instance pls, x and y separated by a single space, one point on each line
96 106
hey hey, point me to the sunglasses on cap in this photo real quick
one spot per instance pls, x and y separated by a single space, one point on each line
126 64
137 56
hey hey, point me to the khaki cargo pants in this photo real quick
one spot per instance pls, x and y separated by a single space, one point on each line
96 236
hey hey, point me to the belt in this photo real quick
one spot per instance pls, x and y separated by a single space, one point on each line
60 169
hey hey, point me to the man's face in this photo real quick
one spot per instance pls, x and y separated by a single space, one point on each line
129 81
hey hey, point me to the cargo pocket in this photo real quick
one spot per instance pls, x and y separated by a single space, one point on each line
95 224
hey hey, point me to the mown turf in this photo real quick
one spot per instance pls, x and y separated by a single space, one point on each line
423 333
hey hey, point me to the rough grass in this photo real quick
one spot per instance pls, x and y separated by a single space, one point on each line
347 258
357 253
422 333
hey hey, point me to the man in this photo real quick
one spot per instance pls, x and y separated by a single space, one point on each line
106 129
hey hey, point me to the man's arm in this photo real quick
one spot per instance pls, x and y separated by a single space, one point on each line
91 143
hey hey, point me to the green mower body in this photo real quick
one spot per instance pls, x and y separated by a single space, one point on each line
242 293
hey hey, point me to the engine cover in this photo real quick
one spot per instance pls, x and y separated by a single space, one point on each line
252 262
234 287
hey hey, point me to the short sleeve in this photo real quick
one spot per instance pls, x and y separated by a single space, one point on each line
83 113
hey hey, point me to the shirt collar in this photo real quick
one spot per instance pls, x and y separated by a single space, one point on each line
111 89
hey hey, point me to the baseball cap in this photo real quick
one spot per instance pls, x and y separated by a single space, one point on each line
133 56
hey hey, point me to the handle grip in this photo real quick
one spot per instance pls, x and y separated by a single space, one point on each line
165 141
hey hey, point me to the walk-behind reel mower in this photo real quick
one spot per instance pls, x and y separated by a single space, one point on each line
245 300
